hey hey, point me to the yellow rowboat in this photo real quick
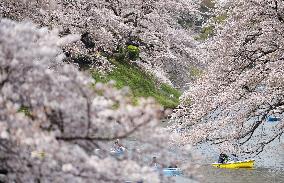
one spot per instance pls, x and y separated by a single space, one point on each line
235 164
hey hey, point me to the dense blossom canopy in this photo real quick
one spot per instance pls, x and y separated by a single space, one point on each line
107 26
69 119
243 84
57 124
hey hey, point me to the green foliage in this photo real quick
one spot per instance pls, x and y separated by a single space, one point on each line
133 49
205 33
208 31
129 52
115 105
196 21
120 55
220 18
186 102
208 3
141 84
195 71
133 52
167 89
186 22
25 110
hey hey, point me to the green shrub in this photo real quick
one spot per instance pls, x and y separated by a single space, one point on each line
129 52
133 52
25 110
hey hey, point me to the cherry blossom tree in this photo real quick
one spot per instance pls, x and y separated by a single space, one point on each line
243 83
107 26
66 132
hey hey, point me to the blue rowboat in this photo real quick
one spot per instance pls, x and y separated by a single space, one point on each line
172 171
117 152
273 119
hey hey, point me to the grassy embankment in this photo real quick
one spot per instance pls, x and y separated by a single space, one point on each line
140 83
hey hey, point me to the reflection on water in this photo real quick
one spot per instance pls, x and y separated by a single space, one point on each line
273 173
257 175
269 166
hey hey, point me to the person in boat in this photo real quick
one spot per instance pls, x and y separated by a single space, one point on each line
173 165
155 163
234 157
223 158
118 147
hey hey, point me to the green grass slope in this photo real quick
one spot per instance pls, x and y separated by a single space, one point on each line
141 84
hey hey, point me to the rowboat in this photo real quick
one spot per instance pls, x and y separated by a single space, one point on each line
273 119
172 171
235 164
118 152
